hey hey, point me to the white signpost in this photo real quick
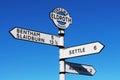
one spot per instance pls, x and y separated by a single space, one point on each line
62 20
79 69
86 49
30 35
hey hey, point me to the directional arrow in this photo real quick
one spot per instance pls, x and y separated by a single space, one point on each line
34 36
86 49
79 69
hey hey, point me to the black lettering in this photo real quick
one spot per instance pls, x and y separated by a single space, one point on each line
83 49
23 31
23 37
70 52
29 37
51 15
69 20
38 34
31 33
51 42
18 36
75 50
90 70
18 30
95 47
52 37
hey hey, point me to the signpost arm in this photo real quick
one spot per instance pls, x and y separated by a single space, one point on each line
61 61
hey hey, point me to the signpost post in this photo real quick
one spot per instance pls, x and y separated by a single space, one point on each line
62 61
62 20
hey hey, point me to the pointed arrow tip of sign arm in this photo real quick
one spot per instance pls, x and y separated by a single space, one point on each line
93 71
100 46
13 32
90 70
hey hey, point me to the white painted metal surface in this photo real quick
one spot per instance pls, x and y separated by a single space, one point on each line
62 66
35 36
62 70
86 49
79 69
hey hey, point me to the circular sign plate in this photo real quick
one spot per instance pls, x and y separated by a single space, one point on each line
61 18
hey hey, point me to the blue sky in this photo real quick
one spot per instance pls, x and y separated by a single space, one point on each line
93 20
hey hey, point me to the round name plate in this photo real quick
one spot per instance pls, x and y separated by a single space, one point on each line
61 18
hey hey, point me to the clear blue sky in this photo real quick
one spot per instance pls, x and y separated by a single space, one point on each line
93 20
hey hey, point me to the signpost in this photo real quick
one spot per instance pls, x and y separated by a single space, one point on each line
30 35
86 49
79 69
62 20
